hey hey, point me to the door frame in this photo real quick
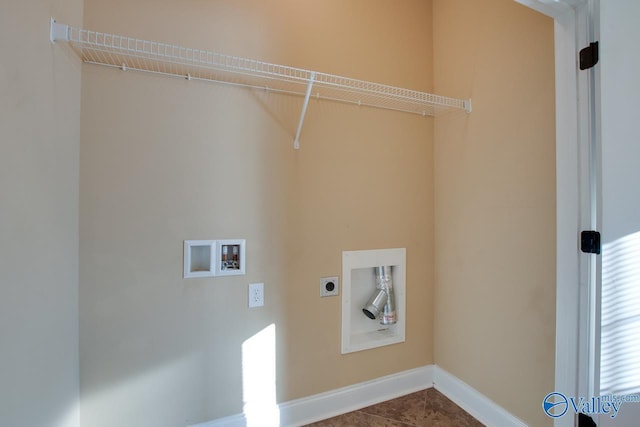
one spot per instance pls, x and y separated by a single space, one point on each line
576 273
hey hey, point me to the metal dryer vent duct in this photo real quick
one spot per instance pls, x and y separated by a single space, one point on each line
382 301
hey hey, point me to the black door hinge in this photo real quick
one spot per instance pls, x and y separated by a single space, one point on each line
590 242
589 56
585 421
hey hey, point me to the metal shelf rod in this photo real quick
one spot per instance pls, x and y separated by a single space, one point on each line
296 142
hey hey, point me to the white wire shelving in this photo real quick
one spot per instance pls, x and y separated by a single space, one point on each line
129 53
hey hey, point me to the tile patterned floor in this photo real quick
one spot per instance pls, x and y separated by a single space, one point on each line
426 408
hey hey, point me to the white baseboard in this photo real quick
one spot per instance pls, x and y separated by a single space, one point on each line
335 402
347 399
471 400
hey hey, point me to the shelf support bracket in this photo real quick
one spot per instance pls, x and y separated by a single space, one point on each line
467 106
58 32
296 142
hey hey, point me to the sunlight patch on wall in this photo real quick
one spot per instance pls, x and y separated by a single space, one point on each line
71 417
259 379
620 334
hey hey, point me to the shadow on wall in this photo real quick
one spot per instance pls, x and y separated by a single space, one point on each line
260 408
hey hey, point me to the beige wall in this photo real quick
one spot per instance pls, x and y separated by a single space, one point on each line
39 151
165 160
495 202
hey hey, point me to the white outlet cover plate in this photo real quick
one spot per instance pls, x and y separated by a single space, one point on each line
256 295
324 292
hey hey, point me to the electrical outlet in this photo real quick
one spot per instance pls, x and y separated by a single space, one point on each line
256 295
329 286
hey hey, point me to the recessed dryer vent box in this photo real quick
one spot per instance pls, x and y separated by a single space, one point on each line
359 332
199 258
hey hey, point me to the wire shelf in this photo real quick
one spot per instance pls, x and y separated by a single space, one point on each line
194 64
